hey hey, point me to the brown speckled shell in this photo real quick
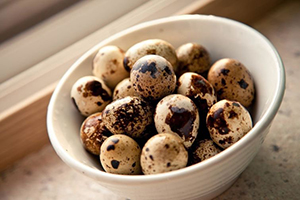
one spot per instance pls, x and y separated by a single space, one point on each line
192 57
129 115
108 65
150 47
90 95
124 89
203 150
232 81
163 152
197 88
93 133
177 114
153 77
120 154
227 122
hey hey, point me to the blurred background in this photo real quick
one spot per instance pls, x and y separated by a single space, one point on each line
24 14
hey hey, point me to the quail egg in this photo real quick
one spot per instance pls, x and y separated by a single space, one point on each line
152 77
90 95
93 133
192 57
232 81
177 114
227 122
124 89
198 89
203 150
120 154
150 47
129 115
163 152
108 65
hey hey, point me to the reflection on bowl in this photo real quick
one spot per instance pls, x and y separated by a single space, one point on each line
222 38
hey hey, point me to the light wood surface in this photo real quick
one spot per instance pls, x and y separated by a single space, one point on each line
24 130
23 127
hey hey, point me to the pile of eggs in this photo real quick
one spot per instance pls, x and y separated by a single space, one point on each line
154 109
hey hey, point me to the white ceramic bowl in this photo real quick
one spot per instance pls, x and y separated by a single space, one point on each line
222 38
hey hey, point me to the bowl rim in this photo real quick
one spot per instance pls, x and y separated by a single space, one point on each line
262 124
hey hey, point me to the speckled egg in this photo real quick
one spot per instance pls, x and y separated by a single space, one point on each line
232 81
177 114
163 152
150 47
108 65
124 89
90 95
192 57
203 150
227 122
129 115
120 154
93 133
198 89
152 77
